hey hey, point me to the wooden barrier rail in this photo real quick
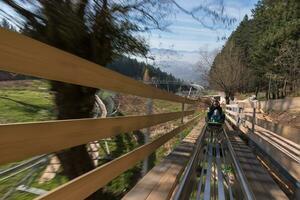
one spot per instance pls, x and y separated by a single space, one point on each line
160 182
21 54
19 141
83 186
288 132
282 150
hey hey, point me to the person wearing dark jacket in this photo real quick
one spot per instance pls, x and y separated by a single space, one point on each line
213 107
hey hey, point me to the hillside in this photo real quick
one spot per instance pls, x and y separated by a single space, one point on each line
123 65
135 69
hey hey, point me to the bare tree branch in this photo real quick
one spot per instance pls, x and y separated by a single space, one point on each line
25 13
215 16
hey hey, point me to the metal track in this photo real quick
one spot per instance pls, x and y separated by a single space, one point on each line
211 158
27 164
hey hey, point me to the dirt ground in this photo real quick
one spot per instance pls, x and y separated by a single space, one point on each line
133 105
290 118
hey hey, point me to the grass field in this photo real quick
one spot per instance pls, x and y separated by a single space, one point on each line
26 101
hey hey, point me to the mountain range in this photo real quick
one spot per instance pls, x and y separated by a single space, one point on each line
181 64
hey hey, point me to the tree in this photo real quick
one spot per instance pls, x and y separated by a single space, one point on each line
95 30
269 44
5 24
99 31
204 64
228 73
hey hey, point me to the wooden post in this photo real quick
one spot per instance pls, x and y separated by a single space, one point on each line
269 87
104 114
182 121
147 80
253 119
182 110
238 121
253 115
147 137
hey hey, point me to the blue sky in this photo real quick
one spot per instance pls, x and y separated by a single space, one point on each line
177 50
187 34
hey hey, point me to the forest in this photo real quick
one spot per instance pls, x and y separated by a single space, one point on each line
262 55
135 69
124 65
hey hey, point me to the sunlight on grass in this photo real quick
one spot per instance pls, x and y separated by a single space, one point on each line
27 104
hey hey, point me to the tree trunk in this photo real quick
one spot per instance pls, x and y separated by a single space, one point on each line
257 91
227 98
231 96
284 88
277 91
273 95
75 102
269 89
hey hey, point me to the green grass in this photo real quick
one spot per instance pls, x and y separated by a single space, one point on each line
25 105
36 85
209 92
25 101
11 182
167 106
50 185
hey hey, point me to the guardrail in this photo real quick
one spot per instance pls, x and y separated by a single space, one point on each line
23 55
283 150
19 141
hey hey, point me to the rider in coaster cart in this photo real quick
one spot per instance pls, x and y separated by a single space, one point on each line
215 114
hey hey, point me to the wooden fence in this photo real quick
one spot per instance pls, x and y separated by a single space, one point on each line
283 149
22 55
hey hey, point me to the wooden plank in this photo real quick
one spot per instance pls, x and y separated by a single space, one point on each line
200 182
290 164
19 141
232 113
285 131
231 120
221 193
159 183
261 183
279 140
283 153
232 105
207 187
83 186
21 54
167 183
284 145
145 186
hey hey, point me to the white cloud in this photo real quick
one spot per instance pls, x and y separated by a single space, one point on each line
188 34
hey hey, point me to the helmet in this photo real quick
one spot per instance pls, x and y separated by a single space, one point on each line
216 102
